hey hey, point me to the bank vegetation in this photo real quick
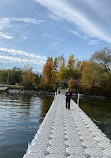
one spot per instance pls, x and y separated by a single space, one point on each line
91 76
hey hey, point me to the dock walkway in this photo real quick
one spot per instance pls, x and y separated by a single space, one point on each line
68 133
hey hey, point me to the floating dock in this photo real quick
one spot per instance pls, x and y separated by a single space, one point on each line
68 133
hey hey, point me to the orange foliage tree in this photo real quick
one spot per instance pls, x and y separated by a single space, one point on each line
47 79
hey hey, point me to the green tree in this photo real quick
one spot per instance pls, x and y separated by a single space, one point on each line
15 75
103 57
4 76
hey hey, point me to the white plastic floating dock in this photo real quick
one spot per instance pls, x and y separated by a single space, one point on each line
68 134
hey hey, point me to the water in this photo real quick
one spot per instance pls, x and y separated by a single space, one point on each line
20 117
100 112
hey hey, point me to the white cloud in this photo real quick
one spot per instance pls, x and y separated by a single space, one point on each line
92 17
7 22
21 57
94 42
22 53
89 41
8 59
5 35
77 34
4 22
27 20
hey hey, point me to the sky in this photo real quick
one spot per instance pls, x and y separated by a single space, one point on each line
32 30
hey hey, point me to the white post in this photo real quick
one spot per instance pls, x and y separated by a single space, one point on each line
78 99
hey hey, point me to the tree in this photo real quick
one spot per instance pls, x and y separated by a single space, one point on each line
71 84
72 71
61 74
90 75
78 65
49 59
61 62
47 80
55 64
28 79
82 66
71 62
4 76
95 79
103 57
15 75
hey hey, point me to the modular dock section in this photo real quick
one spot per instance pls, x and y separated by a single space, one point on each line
68 133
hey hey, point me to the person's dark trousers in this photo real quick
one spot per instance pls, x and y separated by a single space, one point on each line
68 103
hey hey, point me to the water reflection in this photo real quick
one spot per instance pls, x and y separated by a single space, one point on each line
100 112
20 117
25 104
45 106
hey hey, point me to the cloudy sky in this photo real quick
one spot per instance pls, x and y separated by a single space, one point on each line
32 30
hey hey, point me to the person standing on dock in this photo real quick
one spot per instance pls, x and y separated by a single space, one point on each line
68 95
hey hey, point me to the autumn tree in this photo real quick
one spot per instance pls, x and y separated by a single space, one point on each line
47 79
61 74
28 79
78 64
55 64
49 59
61 62
71 84
72 71
95 79
90 74
71 62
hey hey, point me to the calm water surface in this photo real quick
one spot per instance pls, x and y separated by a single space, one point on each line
100 112
20 117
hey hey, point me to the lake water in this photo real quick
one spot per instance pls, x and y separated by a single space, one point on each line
20 117
100 112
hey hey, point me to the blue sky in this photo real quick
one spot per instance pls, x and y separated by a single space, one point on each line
32 30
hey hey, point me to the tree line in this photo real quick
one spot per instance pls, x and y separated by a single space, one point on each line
24 77
93 76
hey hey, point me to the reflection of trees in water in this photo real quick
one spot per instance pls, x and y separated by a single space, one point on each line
22 101
46 103
26 103
25 100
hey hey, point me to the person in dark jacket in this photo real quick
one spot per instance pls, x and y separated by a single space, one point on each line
68 95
